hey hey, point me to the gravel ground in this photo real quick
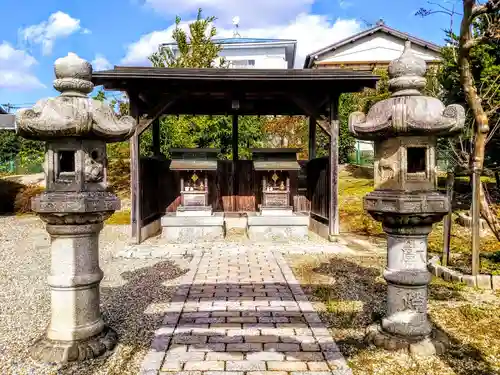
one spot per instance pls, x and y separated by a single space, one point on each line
134 294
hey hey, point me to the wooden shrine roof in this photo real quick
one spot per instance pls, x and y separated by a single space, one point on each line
214 91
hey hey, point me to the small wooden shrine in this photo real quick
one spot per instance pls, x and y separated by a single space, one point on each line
275 165
197 168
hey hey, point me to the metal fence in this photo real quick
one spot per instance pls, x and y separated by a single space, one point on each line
362 154
18 165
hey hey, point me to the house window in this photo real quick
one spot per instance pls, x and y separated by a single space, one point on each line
240 64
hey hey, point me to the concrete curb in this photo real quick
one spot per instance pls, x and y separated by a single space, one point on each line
482 281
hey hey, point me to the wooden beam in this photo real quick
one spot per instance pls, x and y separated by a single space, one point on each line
157 112
156 138
309 110
333 215
312 138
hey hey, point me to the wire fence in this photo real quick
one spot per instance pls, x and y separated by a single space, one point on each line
16 165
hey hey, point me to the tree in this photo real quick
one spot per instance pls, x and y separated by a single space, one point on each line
194 51
198 50
479 29
287 131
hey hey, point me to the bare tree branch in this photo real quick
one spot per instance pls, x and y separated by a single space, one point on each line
488 7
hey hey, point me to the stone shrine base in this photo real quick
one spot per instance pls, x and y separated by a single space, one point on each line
278 228
426 346
188 229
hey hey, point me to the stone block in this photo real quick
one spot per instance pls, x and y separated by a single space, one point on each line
495 280
483 281
469 280
276 212
456 277
188 229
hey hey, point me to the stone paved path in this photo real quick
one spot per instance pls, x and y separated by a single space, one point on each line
242 313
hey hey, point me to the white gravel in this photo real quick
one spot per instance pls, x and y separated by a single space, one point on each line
134 294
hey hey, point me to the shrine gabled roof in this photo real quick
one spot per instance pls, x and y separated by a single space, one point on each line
211 91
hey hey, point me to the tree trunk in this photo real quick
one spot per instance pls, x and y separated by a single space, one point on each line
481 125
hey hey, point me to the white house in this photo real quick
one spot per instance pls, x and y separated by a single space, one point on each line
255 53
7 120
372 48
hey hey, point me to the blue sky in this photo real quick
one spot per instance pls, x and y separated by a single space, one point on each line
124 32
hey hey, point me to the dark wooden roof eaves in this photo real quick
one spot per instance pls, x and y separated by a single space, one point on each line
193 165
309 61
121 73
276 165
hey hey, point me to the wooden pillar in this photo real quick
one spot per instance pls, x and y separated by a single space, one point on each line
156 137
312 138
135 183
333 219
235 161
136 219
235 137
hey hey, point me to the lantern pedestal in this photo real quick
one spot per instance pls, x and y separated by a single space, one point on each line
406 325
76 330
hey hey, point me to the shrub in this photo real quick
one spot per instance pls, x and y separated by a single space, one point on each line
119 218
22 203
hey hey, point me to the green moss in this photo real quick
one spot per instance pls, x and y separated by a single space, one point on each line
119 218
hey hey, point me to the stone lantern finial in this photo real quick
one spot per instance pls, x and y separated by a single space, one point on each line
73 76
405 128
407 73
74 206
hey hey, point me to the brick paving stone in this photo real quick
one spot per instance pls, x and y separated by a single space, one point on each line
245 365
225 356
265 356
281 347
217 347
318 366
244 347
304 356
242 312
286 366
226 339
204 366
262 339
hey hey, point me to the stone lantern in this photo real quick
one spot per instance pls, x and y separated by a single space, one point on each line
74 206
405 129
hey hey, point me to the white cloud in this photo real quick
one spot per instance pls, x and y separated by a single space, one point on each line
59 25
312 32
101 63
254 13
15 69
344 4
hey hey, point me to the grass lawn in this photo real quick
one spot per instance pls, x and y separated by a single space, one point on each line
350 292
